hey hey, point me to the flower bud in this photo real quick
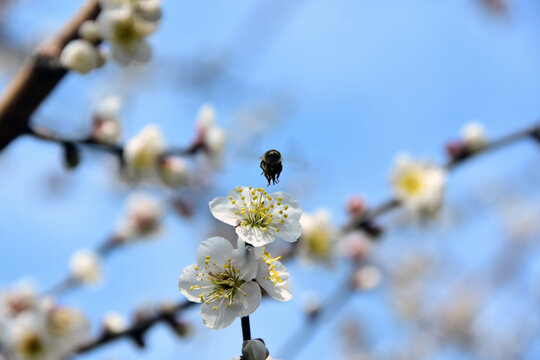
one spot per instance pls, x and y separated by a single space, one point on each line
254 350
474 136
173 171
85 267
142 219
80 56
366 277
114 323
89 31
356 206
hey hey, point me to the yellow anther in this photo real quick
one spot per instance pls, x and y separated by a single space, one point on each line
196 268
279 199
214 308
281 211
230 197
235 212
191 288
277 229
285 216
286 207
282 221
233 202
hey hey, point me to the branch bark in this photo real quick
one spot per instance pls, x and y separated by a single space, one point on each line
38 77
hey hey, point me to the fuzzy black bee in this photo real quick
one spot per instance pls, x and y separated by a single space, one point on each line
271 166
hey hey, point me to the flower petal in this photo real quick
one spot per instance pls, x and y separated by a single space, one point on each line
244 258
187 282
217 248
279 291
255 235
290 231
249 297
222 316
222 209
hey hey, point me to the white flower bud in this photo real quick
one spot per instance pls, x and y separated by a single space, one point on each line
366 277
474 136
150 10
85 266
80 56
214 139
142 151
143 218
89 31
173 171
206 116
254 350
106 128
114 323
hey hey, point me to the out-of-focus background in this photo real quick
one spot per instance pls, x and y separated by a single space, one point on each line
339 88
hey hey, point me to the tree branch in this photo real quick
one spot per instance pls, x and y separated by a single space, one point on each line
38 77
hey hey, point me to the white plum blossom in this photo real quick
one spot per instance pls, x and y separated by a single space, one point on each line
106 127
89 31
114 323
258 216
474 136
44 331
319 237
80 56
366 277
222 280
173 171
125 24
418 185
85 267
141 152
142 219
210 136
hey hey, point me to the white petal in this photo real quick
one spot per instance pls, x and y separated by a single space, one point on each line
244 259
281 290
222 209
222 316
294 211
187 282
250 297
255 235
290 230
218 248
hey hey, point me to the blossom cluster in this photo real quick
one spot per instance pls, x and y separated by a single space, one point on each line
227 281
124 25
36 328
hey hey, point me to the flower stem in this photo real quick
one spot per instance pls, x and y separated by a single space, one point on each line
246 330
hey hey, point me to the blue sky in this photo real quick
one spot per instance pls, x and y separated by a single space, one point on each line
360 81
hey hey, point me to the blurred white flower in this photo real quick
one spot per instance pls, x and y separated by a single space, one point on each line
259 217
319 237
474 136
85 266
21 298
418 185
210 136
355 245
48 332
89 31
142 151
80 56
366 277
222 281
142 219
114 323
125 26
173 171
106 127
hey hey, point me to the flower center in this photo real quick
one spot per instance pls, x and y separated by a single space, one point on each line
411 182
226 283
31 346
318 242
261 209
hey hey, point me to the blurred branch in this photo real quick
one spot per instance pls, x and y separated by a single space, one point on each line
344 291
531 132
38 77
138 330
114 149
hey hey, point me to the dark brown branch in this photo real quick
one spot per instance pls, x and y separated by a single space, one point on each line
137 331
38 77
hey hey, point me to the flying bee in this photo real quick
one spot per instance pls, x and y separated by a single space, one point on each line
271 166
